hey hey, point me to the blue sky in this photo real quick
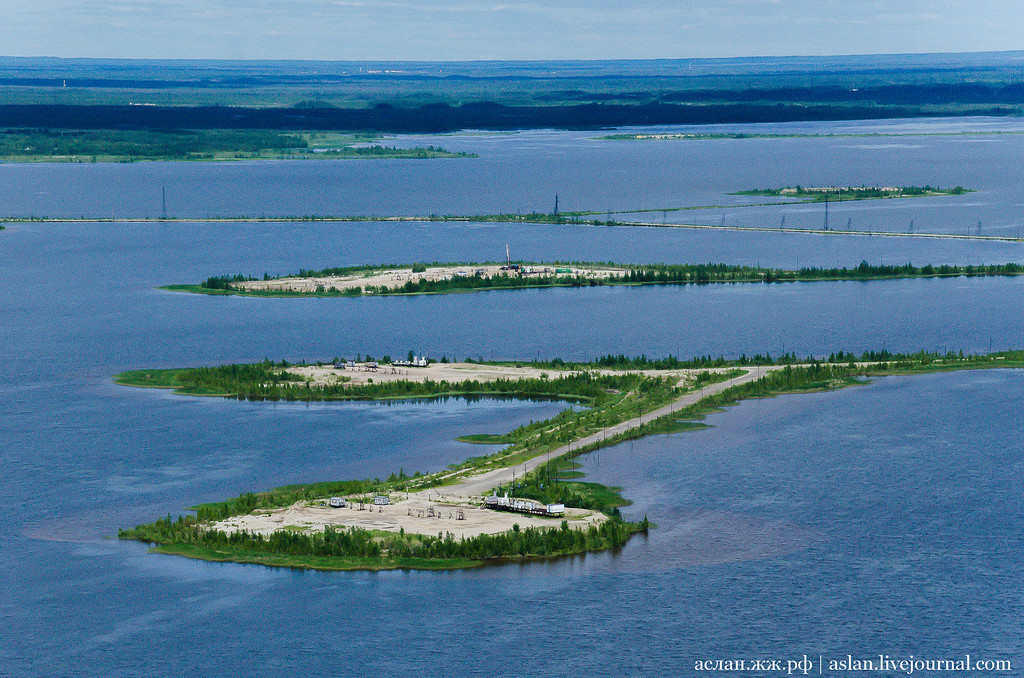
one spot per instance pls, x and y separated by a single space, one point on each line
502 29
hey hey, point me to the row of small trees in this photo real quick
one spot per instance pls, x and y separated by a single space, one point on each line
356 542
696 274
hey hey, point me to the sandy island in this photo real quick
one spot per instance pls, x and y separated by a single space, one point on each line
437 509
393 278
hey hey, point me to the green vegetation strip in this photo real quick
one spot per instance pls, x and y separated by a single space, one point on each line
133 145
359 549
486 439
651 274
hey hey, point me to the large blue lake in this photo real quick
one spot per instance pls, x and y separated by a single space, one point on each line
884 518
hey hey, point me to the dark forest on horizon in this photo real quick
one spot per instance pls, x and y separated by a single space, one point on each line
445 97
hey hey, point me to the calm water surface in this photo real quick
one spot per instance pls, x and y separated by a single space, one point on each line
522 173
879 519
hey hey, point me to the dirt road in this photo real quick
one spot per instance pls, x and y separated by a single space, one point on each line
482 484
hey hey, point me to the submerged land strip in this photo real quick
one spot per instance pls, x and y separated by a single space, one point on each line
519 503
972 231
437 278
971 234
786 196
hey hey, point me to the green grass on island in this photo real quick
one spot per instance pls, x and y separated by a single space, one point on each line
486 439
610 399
623 274
180 380
78 146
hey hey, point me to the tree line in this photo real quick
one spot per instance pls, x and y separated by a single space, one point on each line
662 274
271 381
356 542
443 117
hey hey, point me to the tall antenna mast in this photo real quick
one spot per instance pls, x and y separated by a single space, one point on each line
163 209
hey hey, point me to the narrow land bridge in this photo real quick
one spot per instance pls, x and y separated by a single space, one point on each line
479 485
484 219
417 512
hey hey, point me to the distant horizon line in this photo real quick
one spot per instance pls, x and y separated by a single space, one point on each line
763 57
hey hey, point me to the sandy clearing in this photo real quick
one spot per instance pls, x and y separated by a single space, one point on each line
362 373
426 512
